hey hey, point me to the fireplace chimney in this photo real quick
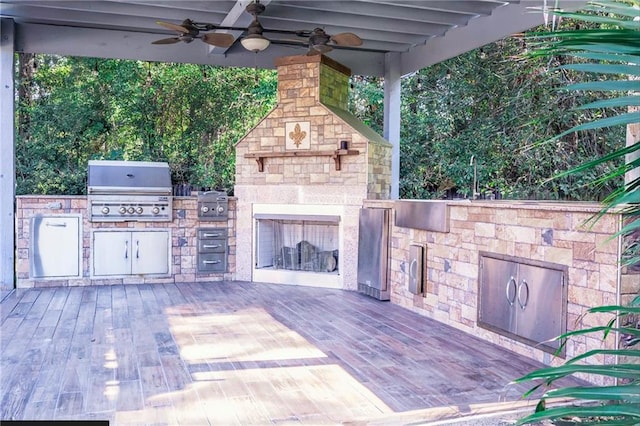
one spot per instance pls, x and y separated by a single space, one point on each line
309 156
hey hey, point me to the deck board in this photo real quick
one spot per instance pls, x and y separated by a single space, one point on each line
236 353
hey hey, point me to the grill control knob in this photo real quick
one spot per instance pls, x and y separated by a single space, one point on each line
122 210
139 210
155 210
105 210
204 209
220 209
131 210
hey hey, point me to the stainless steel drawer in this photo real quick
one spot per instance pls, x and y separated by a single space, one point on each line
212 262
212 246
204 234
212 250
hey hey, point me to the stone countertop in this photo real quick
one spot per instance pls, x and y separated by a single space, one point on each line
572 206
569 206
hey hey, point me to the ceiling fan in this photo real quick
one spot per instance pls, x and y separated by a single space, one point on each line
252 39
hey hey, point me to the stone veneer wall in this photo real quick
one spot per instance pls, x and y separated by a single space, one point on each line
311 89
544 232
302 98
183 240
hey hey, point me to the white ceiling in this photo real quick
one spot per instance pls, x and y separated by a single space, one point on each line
416 33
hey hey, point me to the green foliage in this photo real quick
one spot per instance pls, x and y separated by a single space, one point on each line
492 105
611 50
74 109
601 404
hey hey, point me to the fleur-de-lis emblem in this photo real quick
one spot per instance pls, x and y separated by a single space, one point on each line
297 136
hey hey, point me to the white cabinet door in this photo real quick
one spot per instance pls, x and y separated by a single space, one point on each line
55 245
111 253
150 253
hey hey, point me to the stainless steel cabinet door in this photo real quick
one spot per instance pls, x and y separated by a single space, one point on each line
498 294
55 246
150 252
111 253
373 243
540 304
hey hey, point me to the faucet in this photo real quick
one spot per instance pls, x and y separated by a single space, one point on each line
474 189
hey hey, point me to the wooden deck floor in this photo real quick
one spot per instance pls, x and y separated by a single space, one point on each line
237 353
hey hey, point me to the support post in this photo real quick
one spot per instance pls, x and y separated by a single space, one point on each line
392 91
7 155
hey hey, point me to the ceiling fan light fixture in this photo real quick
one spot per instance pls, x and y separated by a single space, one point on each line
255 43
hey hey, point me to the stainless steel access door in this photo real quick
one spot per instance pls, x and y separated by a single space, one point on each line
55 246
111 253
373 250
524 299
149 252
127 253
498 293
539 304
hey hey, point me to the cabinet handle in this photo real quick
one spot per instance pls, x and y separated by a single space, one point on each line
207 235
524 284
56 224
137 249
210 262
413 268
506 289
210 246
126 249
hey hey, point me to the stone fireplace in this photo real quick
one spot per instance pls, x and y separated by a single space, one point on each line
302 175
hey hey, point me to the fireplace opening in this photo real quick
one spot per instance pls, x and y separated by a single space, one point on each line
309 244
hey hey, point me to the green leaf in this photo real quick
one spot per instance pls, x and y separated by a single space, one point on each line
603 68
622 371
617 120
633 225
616 22
622 101
615 309
616 85
607 57
626 411
594 352
619 8
629 393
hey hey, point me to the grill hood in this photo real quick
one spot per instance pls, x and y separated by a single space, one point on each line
128 177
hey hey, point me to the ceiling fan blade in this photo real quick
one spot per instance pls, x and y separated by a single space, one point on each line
218 39
166 41
173 27
346 39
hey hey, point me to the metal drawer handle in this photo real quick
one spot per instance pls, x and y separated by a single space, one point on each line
210 262
209 246
206 235
126 249
58 225
515 284
137 249
526 302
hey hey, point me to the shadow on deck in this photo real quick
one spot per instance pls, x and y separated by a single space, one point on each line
240 353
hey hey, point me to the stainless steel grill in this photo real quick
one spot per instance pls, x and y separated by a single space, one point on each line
121 191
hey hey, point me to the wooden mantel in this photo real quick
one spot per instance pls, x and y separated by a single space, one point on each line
335 154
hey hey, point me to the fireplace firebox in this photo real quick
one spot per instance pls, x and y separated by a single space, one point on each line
308 244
